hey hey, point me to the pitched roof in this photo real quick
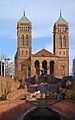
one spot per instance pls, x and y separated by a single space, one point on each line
61 20
24 19
43 53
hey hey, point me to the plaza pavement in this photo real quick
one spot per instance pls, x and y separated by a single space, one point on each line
16 109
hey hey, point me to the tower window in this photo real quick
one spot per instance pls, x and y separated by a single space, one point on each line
60 41
28 28
22 53
59 30
26 52
62 29
22 40
66 29
64 41
59 52
26 40
64 53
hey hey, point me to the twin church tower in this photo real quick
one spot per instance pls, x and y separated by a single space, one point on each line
28 64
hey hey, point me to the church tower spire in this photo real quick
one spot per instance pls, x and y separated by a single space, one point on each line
60 13
61 41
61 36
24 43
24 13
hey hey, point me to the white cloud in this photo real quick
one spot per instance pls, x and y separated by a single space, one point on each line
42 13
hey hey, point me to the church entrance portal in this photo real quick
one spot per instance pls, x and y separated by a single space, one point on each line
51 67
44 66
37 66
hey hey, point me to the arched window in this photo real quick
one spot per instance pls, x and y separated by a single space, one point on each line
26 28
51 67
26 52
22 40
26 40
60 42
64 41
44 67
37 66
22 53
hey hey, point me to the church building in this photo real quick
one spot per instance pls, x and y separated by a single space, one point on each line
28 64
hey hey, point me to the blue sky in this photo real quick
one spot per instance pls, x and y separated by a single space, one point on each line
43 14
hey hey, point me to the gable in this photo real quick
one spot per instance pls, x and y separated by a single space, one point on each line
43 53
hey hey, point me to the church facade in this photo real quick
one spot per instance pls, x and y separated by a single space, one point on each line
28 64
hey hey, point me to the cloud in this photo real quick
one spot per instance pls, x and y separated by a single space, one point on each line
43 14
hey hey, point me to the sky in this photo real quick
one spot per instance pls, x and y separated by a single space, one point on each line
43 14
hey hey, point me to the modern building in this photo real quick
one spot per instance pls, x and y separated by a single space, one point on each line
6 67
9 71
2 68
28 64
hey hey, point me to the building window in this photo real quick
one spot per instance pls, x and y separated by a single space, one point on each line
64 53
26 40
26 52
59 52
22 53
66 29
59 29
62 29
28 28
60 41
22 40
64 41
